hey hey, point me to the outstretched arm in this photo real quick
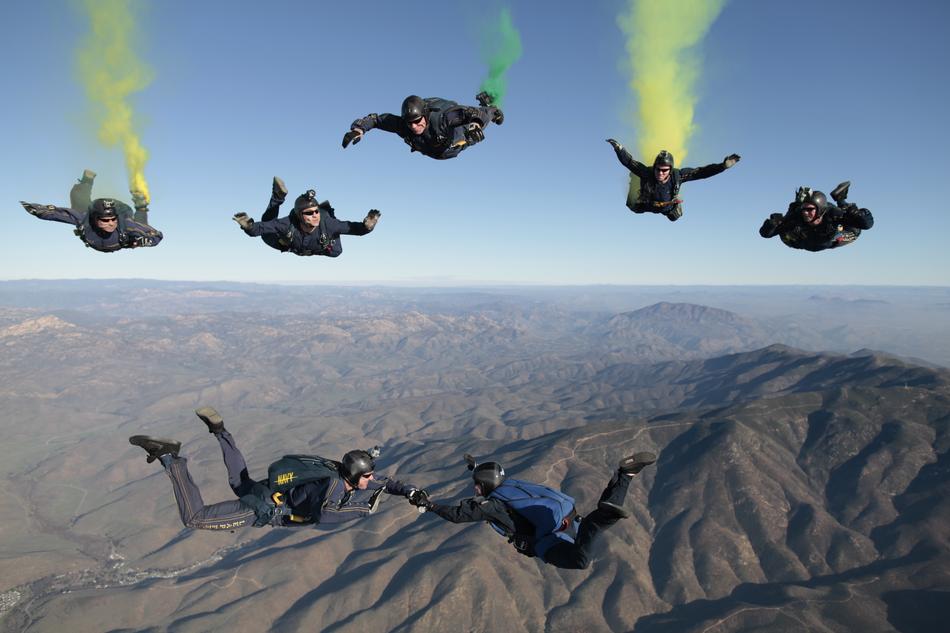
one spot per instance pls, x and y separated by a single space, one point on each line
343 227
856 218
772 226
280 226
698 173
470 510
385 122
55 214
628 161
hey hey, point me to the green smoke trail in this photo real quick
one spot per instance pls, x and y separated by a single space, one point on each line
501 48
660 38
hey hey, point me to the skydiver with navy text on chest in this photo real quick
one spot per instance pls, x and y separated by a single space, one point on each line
299 490
104 224
310 229
660 185
436 127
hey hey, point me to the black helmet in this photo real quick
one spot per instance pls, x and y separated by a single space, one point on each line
413 108
356 464
489 476
102 208
663 158
816 198
306 200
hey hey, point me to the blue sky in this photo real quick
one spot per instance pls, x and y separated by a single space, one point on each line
807 92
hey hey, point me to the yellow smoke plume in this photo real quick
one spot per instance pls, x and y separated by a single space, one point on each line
660 36
111 72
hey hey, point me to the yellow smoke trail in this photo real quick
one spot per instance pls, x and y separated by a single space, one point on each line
659 38
111 72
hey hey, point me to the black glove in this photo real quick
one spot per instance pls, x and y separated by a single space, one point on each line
371 219
353 136
243 219
771 225
474 133
731 160
419 498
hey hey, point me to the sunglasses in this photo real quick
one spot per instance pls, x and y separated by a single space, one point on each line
112 219
311 212
662 170
416 121
367 476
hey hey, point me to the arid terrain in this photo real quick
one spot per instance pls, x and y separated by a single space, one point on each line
803 481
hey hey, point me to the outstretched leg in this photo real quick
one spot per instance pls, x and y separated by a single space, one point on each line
80 196
191 507
277 197
609 510
225 515
238 477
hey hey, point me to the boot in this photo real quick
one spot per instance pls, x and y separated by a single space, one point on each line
840 193
155 447
211 418
87 176
635 463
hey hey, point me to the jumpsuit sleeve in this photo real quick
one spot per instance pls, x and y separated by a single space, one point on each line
472 509
279 226
698 173
635 166
385 122
858 219
392 486
772 226
343 227
462 115
54 214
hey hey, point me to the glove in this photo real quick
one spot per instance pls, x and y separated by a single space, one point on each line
419 498
353 136
243 219
617 146
371 219
802 193
731 160
771 225
34 209
474 133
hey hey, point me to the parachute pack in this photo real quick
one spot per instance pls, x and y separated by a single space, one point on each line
543 507
293 470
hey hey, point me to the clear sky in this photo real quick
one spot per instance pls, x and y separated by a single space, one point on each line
808 92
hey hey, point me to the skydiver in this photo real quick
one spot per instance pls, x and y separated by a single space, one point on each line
813 224
660 186
535 518
310 229
300 490
436 127
103 224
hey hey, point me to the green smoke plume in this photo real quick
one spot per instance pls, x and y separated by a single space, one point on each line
501 48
